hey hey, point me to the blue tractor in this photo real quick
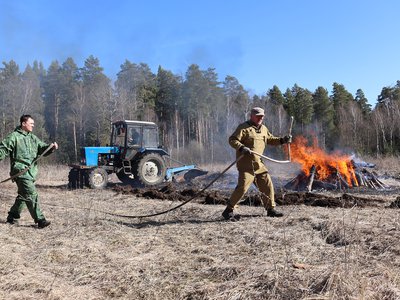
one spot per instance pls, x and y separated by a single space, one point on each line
134 155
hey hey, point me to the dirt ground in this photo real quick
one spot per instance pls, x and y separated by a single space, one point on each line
327 246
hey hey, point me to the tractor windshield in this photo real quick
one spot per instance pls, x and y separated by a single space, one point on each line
135 136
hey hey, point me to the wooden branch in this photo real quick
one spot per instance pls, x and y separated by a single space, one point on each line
312 174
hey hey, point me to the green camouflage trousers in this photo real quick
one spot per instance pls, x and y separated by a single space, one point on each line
27 195
262 181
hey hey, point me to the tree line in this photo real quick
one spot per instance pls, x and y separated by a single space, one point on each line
195 112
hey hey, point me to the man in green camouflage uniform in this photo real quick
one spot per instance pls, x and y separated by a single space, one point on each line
249 136
22 146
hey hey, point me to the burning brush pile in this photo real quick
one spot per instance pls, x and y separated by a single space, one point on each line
321 170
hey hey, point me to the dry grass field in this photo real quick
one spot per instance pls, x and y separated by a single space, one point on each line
191 253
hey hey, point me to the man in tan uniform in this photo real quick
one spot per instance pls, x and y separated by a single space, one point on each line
252 135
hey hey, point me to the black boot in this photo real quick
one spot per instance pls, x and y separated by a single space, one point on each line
11 221
273 213
229 215
43 223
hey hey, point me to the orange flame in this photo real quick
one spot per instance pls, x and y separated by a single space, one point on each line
326 164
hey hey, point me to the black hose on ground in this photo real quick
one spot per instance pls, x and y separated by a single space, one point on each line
183 203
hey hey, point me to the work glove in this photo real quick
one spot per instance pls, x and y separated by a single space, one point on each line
245 150
287 139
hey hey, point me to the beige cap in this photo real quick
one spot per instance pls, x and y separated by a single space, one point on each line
258 111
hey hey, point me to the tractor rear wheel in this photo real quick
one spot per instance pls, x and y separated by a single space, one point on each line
98 178
150 170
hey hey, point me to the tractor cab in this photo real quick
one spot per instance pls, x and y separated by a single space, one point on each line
134 134
133 137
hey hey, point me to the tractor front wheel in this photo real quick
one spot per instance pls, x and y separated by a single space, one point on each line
98 178
151 169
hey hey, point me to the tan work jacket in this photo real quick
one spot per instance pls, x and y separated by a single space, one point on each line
246 134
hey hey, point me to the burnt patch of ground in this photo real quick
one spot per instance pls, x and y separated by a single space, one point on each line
173 192
316 199
313 199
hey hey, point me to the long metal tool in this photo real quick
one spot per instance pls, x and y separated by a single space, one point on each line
290 133
271 159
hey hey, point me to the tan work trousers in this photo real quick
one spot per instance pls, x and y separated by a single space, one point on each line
262 181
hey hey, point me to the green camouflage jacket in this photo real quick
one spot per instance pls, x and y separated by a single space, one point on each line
22 147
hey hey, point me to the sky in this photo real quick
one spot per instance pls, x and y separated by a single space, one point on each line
262 43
